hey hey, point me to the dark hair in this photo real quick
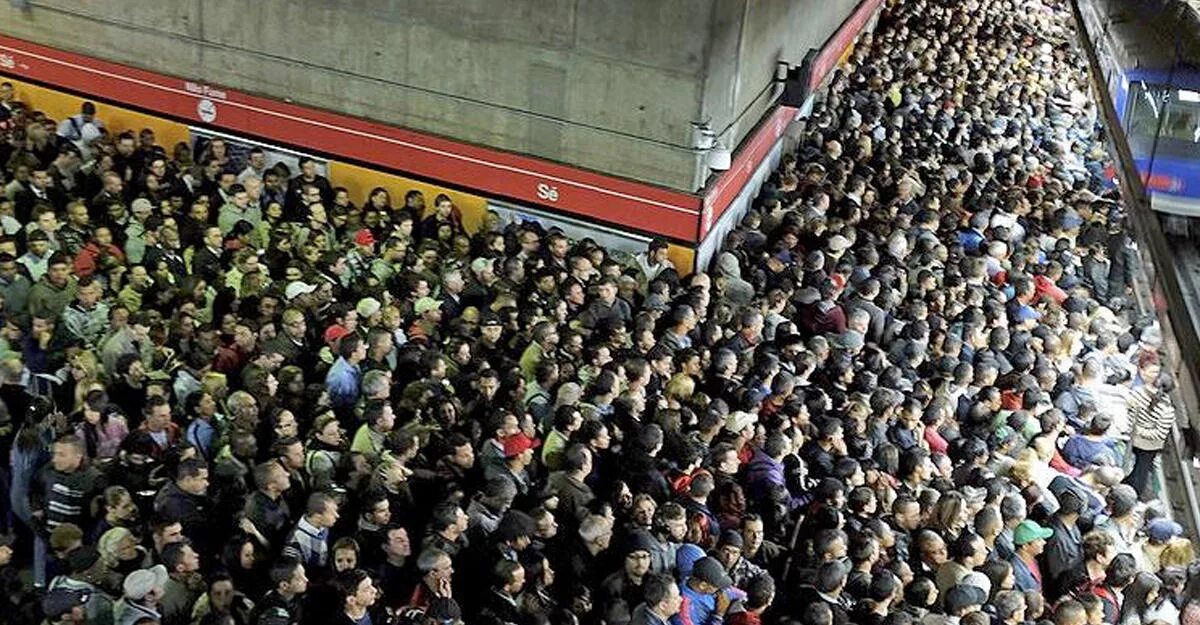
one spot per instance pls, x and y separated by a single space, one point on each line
575 457
347 582
283 569
1135 596
172 554
348 345
656 588
760 591
190 468
1120 571
503 571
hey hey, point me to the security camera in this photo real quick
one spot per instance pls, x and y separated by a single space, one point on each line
719 158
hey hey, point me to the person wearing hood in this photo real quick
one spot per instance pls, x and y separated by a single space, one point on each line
819 312
733 288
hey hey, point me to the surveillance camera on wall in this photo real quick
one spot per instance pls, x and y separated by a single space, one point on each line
719 158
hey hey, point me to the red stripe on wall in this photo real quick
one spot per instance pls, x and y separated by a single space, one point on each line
840 41
558 187
721 193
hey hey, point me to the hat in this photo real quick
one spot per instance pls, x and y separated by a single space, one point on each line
141 204
739 420
733 538
490 319
335 333
709 570
808 295
1026 312
1162 529
38 235
1071 219
364 237
962 596
978 580
62 600
686 558
426 304
298 288
140 583
837 243
1029 531
851 339
641 540
655 301
479 264
368 306
518 444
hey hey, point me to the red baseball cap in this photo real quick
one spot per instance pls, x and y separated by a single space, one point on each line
518 444
335 333
364 237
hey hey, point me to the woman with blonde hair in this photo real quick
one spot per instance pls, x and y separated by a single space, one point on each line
679 390
86 373
1178 553
120 555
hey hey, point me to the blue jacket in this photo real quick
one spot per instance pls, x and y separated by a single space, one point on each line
1022 577
342 383
697 608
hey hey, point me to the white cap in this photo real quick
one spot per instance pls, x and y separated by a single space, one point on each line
140 583
298 288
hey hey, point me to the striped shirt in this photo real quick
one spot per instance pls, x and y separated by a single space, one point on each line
1152 417
308 544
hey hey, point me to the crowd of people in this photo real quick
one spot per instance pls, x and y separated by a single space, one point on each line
912 389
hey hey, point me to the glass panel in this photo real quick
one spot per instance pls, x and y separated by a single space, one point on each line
1180 125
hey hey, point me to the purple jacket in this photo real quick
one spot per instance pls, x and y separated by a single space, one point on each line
764 476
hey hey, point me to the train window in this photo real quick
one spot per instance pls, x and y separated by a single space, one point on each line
1178 119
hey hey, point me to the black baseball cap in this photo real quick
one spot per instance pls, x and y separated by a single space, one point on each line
61 601
708 569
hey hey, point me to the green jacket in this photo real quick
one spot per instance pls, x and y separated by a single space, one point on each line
48 301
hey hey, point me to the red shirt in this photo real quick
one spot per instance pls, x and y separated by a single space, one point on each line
745 618
935 441
1044 287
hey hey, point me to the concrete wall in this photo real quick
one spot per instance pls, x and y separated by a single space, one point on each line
610 85
749 38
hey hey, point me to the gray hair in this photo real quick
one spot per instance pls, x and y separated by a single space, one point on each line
374 382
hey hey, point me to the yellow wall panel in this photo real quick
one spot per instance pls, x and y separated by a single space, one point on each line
359 181
684 258
59 106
